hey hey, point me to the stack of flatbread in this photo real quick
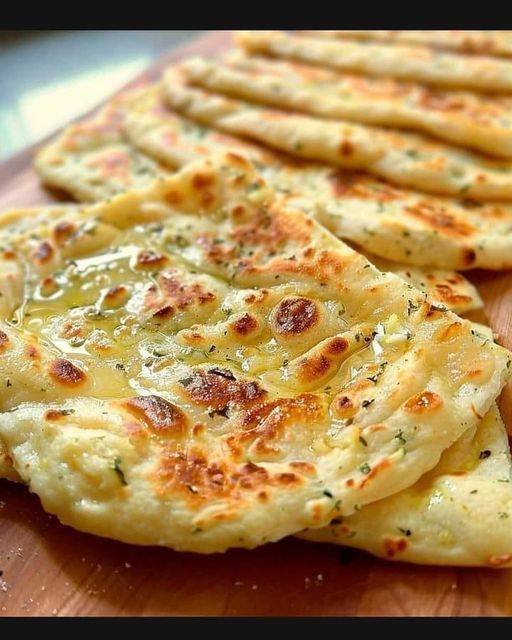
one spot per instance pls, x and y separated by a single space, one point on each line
249 320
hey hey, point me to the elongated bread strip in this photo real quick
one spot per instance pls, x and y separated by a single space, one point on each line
458 514
492 43
398 61
462 118
393 223
402 158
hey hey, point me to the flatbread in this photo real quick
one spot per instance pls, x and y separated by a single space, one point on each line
489 42
449 288
401 158
193 365
92 160
393 223
415 63
473 121
458 514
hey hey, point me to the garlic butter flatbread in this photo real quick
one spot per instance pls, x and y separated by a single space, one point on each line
458 514
92 159
488 42
474 121
393 223
405 159
197 365
478 73
449 288
396 224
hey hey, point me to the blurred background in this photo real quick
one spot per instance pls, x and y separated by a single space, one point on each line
50 77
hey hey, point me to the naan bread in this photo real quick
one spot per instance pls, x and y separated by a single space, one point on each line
415 228
396 224
402 158
418 64
493 43
462 118
197 365
92 160
458 514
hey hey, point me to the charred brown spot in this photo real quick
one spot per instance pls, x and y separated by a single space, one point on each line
32 352
313 368
174 197
423 402
159 415
237 159
337 346
392 546
344 405
190 473
295 315
66 373
55 414
356 184
164 312
148 259
4 341
452 330
174 294
62 231
9 254
346 148
245 325
303 467
286 478
264 422
468 256
203 180
437 217
43 253
216 388
448 295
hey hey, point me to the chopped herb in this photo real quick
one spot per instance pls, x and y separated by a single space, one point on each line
406 532
365 468
484 454
119 471
219 412
502 515
363 441
186 381
400 437
328 493
367 403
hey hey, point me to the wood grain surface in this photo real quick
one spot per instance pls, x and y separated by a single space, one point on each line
49 569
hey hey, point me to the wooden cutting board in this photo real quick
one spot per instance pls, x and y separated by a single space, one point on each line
49 569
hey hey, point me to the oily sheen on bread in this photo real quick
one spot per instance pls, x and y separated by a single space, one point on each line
195 364
463 118
419 64
458 514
